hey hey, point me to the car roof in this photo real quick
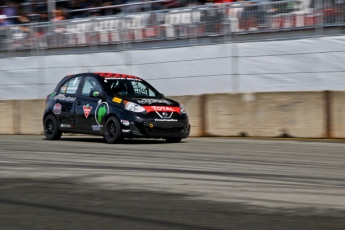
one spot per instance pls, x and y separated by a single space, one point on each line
110 75
116 75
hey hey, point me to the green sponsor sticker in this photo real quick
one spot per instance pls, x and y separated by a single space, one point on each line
95 94
52 95
101 112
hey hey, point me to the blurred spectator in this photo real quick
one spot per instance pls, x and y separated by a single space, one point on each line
43 17
75 5
249 15
3 20
39 7
21 20
84 4
10 9
111 11
222 1
59 15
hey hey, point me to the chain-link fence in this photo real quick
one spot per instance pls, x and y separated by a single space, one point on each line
215 20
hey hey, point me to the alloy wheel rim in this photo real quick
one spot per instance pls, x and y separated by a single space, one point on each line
112 129
49 127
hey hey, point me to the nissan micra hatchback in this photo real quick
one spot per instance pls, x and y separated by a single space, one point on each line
115 106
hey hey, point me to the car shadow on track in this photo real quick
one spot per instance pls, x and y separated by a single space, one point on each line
125 142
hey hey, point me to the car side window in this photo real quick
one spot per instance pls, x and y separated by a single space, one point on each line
71 86
90 84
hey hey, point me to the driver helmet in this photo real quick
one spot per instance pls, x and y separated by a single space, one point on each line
121 89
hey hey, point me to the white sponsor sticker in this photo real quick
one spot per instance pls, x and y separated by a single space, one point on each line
125 122
96 127
65 126
126 131
165 120
152 101
62 97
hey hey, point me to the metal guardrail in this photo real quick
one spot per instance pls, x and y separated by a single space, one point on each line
169 24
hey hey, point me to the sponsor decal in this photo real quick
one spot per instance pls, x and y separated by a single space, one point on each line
57 108
52 95
165 120
101 110
62 97
63 89
96 127
66 126
162 109
126 131
152 101
87 109
95 94
125 122
117 100
122 78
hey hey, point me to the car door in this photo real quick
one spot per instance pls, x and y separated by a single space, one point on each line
86 106
64 107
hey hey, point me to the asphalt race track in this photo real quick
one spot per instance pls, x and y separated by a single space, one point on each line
80 182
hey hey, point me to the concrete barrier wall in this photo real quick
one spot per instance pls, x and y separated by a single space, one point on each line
295 114
31 114
7 117
21 117
193 107
338 114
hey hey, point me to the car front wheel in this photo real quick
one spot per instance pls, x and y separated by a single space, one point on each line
51 130
112 131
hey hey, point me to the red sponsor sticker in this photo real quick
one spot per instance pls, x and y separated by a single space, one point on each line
162 109
87 110
57 108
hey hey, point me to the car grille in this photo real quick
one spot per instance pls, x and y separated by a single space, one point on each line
159 130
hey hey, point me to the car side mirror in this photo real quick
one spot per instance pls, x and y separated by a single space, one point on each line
96 94
161 94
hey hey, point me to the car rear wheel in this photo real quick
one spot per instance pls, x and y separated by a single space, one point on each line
173 140
51 129
112 131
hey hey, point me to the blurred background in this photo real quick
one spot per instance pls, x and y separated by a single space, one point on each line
42 24
258 69
260 50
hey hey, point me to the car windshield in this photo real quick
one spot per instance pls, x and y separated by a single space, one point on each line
130 87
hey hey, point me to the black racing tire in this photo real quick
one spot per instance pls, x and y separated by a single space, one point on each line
51 129
173 140
112 130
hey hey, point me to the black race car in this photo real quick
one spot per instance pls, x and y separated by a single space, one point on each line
115 106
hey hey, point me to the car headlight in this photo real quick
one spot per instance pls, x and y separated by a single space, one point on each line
182 109
130 106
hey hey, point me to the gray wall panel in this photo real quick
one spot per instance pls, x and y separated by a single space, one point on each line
291 65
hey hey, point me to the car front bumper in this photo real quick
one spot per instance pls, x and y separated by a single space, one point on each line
155 128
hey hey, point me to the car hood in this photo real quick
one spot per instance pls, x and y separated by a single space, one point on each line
154 101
